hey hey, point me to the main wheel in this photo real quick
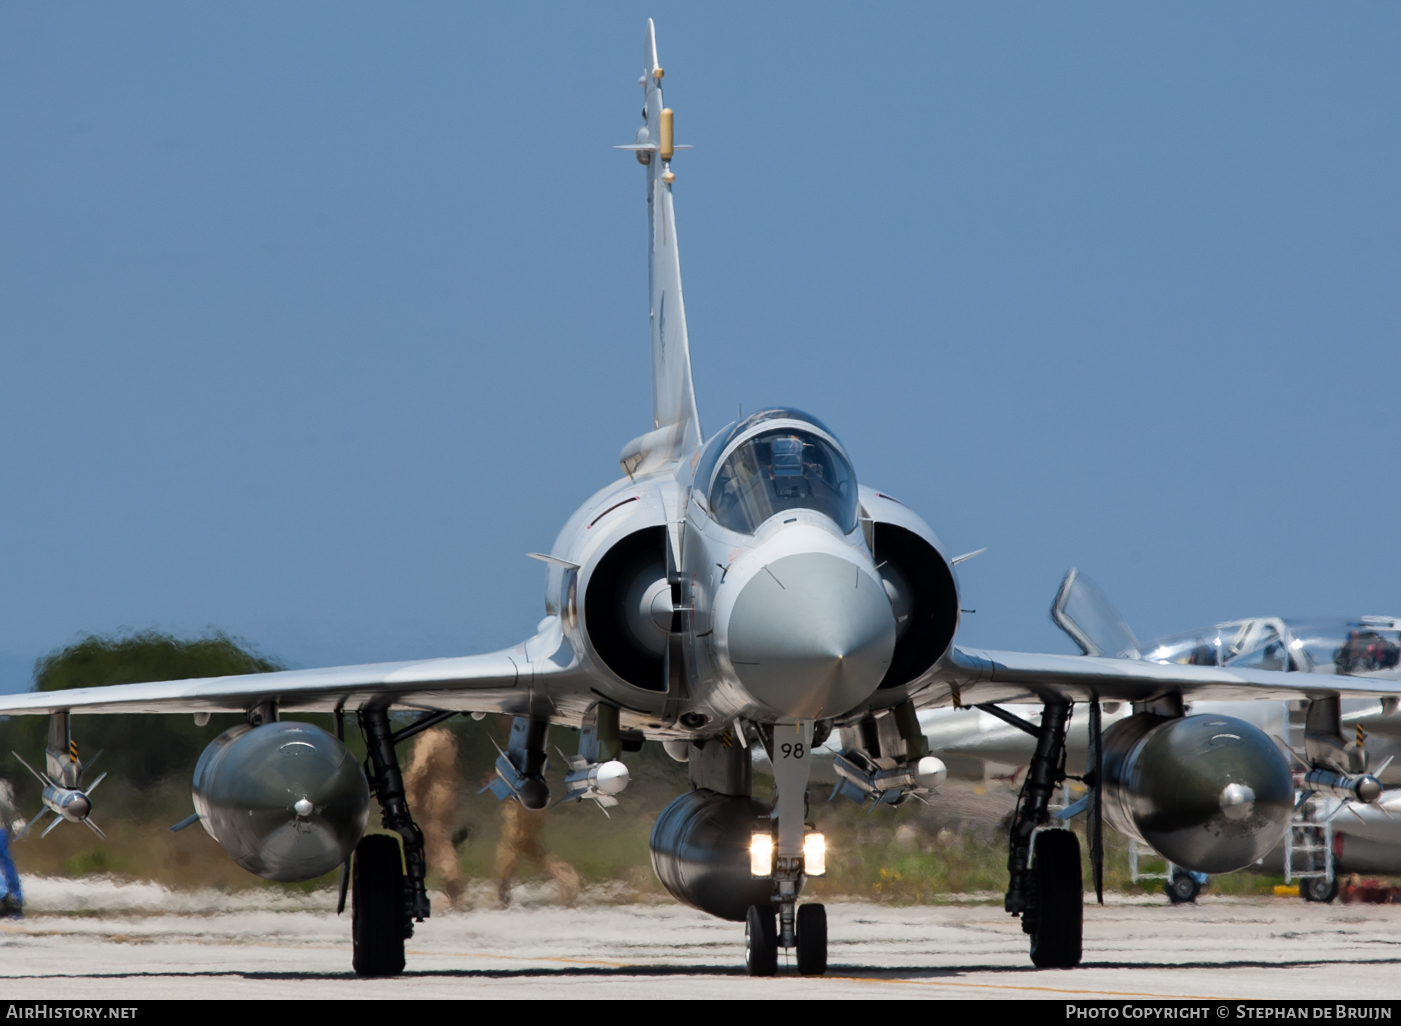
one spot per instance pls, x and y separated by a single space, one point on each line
761 942
811 928
1060 900
377 915
1182 888
1318 888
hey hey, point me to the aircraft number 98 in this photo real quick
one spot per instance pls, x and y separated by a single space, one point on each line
792 751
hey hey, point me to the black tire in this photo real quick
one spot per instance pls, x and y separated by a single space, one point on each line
1181 889
1060 900
1318 888
377 912
760 942
811 928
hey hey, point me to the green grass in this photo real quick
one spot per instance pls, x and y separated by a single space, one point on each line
908 855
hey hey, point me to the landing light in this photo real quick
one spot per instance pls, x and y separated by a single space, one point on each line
761 855
815 854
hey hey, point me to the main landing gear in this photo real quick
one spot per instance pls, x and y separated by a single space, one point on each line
377 907
1046 888
389 895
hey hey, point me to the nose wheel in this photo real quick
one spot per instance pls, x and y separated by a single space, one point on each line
812 940
760 941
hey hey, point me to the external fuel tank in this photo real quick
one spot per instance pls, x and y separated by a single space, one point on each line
1210 793
286 800
700 851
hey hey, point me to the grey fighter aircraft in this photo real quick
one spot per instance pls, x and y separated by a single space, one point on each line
732 590
1368 646
1367 840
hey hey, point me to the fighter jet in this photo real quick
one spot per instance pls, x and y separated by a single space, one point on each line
1368 839
1367 646
728 590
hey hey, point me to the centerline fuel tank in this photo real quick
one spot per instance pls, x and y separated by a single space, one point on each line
700 852
286 800
1210 793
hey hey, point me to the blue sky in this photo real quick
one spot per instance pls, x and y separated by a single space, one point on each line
315 318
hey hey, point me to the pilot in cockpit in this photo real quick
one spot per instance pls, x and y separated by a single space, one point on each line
789 480
1366 651
786 468
1202 655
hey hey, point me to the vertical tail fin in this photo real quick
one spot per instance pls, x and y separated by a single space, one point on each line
675 421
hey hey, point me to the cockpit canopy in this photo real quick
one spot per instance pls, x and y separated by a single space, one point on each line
1369 646
776 460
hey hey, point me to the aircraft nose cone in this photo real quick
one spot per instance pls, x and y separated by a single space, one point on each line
811 635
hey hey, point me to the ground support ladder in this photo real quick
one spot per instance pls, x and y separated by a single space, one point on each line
1310 841
1136 874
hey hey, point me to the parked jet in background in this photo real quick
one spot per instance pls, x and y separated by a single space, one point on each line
1362 646
1366 839
734 591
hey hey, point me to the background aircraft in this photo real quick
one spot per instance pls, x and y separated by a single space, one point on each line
735 591
1363 838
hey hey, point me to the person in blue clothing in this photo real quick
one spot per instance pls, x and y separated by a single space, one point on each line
11 896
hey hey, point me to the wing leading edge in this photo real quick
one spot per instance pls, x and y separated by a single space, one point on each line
975 675
495 682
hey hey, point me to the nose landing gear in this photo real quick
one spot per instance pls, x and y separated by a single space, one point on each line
802 928
761 940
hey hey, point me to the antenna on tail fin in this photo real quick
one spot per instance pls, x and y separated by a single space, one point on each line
675 422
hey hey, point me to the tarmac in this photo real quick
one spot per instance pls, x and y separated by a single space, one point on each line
97 940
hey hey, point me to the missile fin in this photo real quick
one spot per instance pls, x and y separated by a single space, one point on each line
38 816
43 779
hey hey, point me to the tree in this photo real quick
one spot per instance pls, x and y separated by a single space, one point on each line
140 750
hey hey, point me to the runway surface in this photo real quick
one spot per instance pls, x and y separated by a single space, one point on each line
100 941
